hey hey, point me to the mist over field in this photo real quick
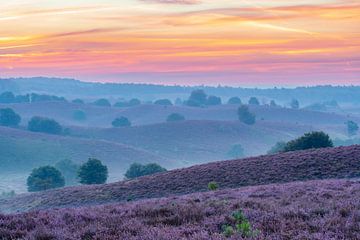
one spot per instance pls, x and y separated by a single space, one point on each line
179 120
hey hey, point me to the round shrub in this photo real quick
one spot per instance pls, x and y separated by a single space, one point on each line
44 178
93 172
175 117
46 125
121 122
9 118
213 186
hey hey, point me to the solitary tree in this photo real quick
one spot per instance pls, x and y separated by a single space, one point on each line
46 125
234 100
254 101
309 141
44 178
163 102
352 128
102 102
138 170
79 115
213 100
175 117
93 172
121 122
9 118
245 115
197 98
295 104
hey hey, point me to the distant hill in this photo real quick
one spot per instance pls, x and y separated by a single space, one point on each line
340 162
193 142
20 151
326 209
74 88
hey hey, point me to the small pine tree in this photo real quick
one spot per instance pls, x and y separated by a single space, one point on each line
213 186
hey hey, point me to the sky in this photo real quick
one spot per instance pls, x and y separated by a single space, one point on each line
185 42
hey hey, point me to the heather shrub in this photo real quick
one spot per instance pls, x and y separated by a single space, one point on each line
45 125
9 118
44 178
138 170
245 116
121 122
213 186
175 117
93 172
309 141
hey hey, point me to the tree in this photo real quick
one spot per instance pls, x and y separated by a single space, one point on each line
77 101
134 102
309 141
163 102
278 147
7 97
245 115
9 118
352 128
79 115
236 151
46 125
213 100
295 104
102 102
93 172
69 170
138 170
234 100
254 101
273 103
121 122
44 178
175 117
197 98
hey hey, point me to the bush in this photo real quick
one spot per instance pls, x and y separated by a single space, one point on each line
44 178
175 117
236 151
234 100
69 170
245 115
7 97
134 102
102 102
273 104
93 172
77 101
79 115
9 118
138 170
45 125
121 122
309 141
295 104
352 128
197 98
46 98
163 102
278 147
254 101
213 100
213 186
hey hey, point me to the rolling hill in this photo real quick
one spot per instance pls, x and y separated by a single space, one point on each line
340 162
20 151
325 209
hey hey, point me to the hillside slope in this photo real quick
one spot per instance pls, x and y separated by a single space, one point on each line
326 209
23 150
194 142
341 162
